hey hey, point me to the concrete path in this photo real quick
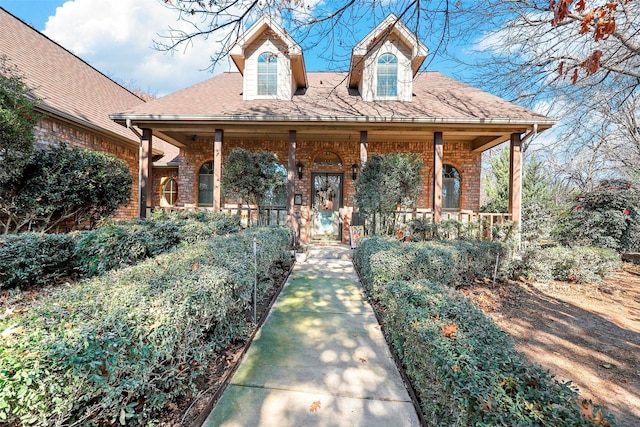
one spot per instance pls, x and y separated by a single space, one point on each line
320 359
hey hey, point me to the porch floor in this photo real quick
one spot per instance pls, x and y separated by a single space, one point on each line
319 359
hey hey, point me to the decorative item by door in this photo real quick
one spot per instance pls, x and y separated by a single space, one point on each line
326 201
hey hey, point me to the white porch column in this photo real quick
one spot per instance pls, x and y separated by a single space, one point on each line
144 172
217 169
438 154
515 178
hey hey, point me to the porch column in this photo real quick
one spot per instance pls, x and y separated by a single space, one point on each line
438 154
515 177
292 220
217 168
364 145
144 172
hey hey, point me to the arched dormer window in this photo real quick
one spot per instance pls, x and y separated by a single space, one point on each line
205 184
387 76
267 74
451 186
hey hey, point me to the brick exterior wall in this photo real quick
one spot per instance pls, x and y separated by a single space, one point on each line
457 154
51 130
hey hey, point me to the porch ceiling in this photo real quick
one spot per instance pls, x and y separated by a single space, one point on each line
481 136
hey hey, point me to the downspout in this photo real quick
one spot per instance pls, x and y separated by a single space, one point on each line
138 134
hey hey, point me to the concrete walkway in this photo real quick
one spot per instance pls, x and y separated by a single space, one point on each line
320 359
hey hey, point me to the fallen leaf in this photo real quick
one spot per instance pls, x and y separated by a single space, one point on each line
363 360
315 406
15 330
449 330
194 267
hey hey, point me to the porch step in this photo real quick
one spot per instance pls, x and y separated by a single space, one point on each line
329 252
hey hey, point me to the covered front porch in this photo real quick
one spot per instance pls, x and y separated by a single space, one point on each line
317 156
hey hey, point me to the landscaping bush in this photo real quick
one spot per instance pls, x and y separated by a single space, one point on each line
579 264
453 263
64 187
465 370
607 217
115 245
199 225
32 259
117 348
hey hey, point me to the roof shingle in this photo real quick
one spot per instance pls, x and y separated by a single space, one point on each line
436 96
65 85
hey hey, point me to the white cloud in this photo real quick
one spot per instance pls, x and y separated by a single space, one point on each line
116 37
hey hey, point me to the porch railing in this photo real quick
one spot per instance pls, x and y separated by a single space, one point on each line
249 216
478 225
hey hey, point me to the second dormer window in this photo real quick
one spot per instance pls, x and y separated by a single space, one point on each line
267 74
387 76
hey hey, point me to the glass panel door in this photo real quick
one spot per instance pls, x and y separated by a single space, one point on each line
326 201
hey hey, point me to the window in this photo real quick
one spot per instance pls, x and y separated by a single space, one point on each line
267 74
327 159
205 184
387 76
450 187
169 192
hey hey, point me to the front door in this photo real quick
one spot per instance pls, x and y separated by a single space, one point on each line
326 201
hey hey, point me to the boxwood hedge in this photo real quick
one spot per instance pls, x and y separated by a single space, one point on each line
453 263
464 369
117 348
31 259
36 259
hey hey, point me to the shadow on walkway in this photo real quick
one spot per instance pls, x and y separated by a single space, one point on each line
320 359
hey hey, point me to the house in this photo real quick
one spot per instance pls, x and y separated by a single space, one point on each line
75 99
324 125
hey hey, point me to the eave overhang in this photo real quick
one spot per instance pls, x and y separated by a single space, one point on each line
481 133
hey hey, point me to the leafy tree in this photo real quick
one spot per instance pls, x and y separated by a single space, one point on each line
17 120
537 195
62 186
252 176
497 183
607 217
385 182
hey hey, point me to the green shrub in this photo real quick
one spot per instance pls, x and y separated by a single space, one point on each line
32 259
117 244
607 217
62 187
580 264
117 348
464 369
453 263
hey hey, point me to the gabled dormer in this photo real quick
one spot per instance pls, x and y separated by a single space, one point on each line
385 62
270 61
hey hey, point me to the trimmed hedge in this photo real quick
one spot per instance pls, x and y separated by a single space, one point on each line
453 263
34 259
465 370
117 348
580 264
31 259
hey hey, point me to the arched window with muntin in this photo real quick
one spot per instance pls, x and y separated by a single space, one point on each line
267 74
387 76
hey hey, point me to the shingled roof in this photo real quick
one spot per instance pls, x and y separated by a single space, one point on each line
437 98
66 86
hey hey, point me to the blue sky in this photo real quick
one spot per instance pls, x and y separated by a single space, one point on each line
115 36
